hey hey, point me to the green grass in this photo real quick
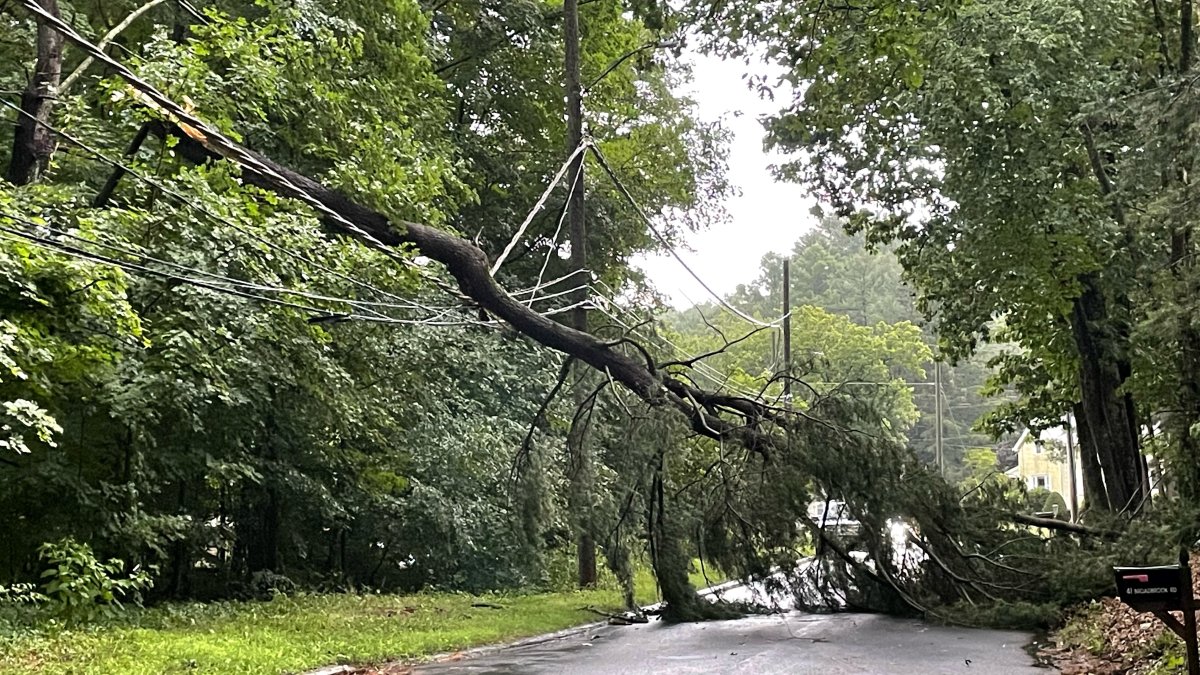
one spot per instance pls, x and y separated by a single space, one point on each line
295 634
290 635
710 576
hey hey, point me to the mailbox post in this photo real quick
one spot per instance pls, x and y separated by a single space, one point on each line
1161 590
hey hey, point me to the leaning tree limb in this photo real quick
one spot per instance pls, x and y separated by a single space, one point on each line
467 263
469 266
200 142
1054 524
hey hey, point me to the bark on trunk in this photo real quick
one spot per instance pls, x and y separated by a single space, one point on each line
1183 420
33 143
1094 494
581 472
262 546
1105 410
180 560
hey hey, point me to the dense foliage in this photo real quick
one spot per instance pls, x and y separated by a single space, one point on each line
1028 164
198 382
1029 161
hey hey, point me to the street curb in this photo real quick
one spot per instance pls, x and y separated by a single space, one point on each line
564 633
523 642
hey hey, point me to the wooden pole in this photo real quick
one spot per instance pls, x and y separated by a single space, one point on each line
787 332
1189 614
581 473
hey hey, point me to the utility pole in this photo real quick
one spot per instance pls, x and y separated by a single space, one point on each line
787 332
1073 492
578 451
577 224
939 450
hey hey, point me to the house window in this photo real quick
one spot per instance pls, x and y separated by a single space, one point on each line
1041 482
1038 448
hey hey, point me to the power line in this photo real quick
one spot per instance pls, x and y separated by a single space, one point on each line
207 212
200 130
65 249
363 305
76 252
705 369
218 143
663 240
562 218
539 286
698 365
249 285
537 207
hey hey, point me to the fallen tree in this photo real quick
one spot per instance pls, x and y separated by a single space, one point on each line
793 450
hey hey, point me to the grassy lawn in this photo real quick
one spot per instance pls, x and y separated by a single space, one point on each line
289 635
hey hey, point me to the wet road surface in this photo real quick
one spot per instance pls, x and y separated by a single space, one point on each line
792 643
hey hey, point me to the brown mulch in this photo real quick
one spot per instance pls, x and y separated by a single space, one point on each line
1132 640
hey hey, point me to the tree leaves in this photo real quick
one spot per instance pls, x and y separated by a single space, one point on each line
200 430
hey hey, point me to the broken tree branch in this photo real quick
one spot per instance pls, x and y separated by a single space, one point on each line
1052 524
104 42
199 142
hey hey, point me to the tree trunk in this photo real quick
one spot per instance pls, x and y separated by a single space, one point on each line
33 143
670 561
262 542
180 560
263 551
1185 417
1112 428
1094 494
581 472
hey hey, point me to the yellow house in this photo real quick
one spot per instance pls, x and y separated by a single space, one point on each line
1042 462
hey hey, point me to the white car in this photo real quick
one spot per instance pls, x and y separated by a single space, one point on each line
833 516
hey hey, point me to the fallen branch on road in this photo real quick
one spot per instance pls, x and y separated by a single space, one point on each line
1053 524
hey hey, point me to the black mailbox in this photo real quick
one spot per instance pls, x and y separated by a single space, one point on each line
1152 589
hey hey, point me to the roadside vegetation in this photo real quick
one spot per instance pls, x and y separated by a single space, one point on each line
334 296
294 634
299 632
1107 637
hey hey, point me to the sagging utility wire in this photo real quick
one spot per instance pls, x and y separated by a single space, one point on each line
214 282
213 217
541 202
620 185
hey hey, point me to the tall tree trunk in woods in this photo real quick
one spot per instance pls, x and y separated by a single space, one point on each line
264 513
258 530
578 447
1094 494
33 143
1185 418
1119 328
180 560
1106 412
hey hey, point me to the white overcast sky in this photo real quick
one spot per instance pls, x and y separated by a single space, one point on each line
766 216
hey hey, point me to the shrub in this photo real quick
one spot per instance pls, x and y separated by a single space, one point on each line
79 587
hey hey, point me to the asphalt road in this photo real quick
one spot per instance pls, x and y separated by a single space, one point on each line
792 643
